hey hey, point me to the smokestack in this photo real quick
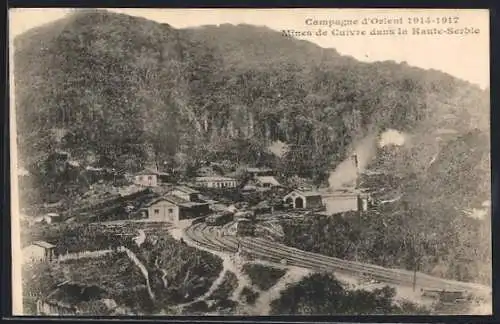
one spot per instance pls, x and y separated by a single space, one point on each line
356 165
356 188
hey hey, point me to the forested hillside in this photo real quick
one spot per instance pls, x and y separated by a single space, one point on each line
117 91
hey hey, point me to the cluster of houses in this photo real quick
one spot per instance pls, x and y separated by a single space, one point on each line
186 201
172 204
255 178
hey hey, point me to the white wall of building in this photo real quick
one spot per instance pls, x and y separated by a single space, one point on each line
33 253
340 204
181 194
150 180
164 211
218 184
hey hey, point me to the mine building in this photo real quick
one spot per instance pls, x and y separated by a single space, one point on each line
304 199
218 182
186 193
172 209
38 251
343 201
259 172
267 181
147 178
151 177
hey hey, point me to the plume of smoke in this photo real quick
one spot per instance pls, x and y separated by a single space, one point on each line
278 148
392 137
477 213
346 173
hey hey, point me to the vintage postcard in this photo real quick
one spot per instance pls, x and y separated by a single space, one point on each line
250 162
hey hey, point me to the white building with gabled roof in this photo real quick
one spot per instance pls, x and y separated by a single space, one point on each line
38 251
304 199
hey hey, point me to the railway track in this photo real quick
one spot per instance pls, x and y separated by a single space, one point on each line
275 252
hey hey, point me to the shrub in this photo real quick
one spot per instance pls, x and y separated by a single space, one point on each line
249 295
323 294
197 308
228 285
264 277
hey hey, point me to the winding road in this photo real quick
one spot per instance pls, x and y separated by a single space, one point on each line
210 237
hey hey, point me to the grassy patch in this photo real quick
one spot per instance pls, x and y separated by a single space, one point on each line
112 272
264 277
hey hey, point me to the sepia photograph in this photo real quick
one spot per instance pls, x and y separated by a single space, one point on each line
250 162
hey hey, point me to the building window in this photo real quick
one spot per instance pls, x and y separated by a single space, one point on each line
157 211
150 177
170 210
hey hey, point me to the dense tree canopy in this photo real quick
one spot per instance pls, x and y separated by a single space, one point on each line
118 85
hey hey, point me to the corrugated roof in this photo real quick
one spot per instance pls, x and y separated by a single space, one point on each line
91 168
186 190
219 207
249 187
207 179
253 169
268 179
190 204
345 194
307 193
206 171
170 198
44 244
146 172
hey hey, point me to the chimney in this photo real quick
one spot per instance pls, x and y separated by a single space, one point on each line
356 188
356 165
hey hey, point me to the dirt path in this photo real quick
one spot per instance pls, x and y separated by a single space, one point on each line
243 279
131 255
234 263
228 264
262 306
210 291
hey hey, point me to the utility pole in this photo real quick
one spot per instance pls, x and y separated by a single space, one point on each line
359 202
415 275
416 261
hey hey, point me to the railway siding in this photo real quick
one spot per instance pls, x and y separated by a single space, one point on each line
274 252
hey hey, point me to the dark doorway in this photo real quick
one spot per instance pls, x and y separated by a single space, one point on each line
299 202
